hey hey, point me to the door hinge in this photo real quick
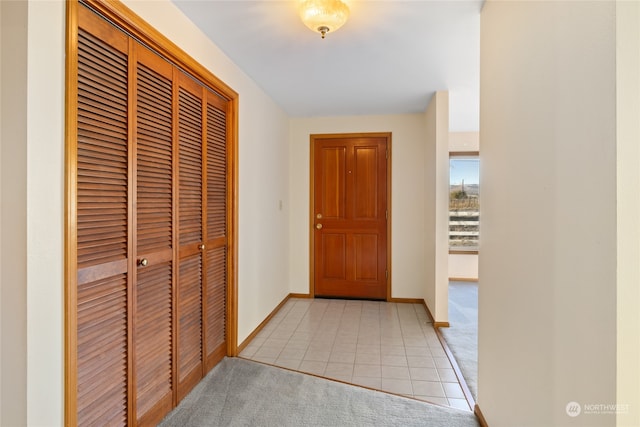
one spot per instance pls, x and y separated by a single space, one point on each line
386 274
386 153
386 214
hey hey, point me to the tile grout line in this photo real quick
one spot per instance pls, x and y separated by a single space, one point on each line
347 309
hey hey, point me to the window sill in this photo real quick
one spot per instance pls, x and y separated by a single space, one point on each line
463 252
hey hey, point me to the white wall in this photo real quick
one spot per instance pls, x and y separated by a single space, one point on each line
436 218
547 310
407 210
463 266
464 141
13 209
628 133
44 195
263 153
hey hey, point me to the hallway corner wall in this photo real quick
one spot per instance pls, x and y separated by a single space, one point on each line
13 211
435 288
547 305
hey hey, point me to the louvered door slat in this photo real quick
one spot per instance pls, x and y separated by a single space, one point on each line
99 175
154 153
102 206
100 139
153 175
93 111
154 236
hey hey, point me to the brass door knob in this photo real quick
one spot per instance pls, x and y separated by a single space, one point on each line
143 262
201 247
319 226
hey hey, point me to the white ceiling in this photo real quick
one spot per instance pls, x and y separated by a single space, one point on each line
389 58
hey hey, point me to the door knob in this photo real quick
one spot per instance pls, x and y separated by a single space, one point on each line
319 226
201 247
143 262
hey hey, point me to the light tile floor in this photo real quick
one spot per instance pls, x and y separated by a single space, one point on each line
385 346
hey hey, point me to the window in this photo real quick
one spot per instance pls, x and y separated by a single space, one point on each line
464 203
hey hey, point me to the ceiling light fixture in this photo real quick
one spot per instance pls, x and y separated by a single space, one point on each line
324 15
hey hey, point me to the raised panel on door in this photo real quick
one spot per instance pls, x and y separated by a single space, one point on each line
365 188
190 235
334 256
365 247
215 298
349 217
102 200
153 296
332 178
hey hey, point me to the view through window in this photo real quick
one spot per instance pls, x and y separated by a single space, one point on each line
464 203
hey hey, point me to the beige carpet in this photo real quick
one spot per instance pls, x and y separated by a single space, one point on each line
240 392
462 335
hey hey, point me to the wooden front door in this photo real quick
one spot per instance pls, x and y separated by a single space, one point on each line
349 215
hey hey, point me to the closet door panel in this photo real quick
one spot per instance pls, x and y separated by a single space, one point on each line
153 362
153 298
102 224
102 352
189 324
216 170
216 296
190 235
216 239
190 163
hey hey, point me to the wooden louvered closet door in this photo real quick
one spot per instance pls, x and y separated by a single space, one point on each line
202 218
153 291
149 225
103 193
215 226
190 234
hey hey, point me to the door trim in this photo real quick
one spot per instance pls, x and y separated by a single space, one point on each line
312 140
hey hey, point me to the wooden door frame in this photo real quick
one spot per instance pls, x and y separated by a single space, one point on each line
120 15
312 140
